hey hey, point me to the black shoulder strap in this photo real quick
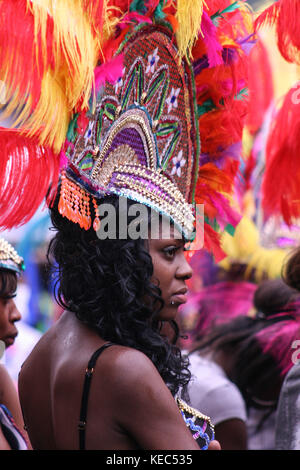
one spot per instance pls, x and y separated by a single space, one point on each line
85 394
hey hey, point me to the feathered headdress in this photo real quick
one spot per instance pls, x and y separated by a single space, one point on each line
145 99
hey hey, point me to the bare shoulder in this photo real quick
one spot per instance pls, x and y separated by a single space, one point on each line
3 373
37 351
4 380
141 403
128 366
37 363
129 375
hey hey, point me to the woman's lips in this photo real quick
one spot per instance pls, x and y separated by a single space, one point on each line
178 299
9 340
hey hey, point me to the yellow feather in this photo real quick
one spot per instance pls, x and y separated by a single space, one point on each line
244 242
52 115
189 17
244 248
49 121
67 74
266 263
74 47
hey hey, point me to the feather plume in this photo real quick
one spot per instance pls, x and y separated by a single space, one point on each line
281 183
268 17
30 172
261 88
283 15
212 243
43 46
213 47
108 72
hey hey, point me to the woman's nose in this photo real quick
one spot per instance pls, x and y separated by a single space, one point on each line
15 315
184 269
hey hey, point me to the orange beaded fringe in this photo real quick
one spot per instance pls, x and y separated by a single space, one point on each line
74 203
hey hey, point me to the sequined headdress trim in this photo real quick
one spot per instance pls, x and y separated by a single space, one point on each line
9 258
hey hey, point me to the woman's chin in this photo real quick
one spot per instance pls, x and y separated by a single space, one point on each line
169 313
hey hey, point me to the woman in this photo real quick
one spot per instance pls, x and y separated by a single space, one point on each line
288 411
11 420
9 313
137 93
118 291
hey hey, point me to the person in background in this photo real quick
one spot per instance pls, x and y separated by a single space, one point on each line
240 365
287 435
11 419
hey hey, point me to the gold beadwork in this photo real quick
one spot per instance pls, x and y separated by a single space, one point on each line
118 111
125 121
122 155
143 97
8 253
95 152
179 212
192 411
155 125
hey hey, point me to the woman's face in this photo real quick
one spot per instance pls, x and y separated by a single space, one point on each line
9 314
170 271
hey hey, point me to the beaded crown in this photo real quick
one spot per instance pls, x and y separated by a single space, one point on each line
9 258
143 98
140 139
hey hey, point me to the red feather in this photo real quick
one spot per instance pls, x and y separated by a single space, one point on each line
28 173
288 30
284 15
95 10
268 17
281 183
212 243
261 88
16 34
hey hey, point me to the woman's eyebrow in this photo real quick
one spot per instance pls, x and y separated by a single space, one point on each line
173 241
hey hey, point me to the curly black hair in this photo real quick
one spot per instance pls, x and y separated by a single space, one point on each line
105 283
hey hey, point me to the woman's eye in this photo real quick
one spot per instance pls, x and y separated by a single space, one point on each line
170 252
7 299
